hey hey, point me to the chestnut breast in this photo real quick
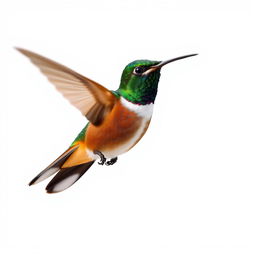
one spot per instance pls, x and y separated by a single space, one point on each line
120 131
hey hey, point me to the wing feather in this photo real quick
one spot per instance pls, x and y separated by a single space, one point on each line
91 98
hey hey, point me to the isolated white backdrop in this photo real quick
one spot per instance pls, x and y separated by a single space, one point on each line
188 188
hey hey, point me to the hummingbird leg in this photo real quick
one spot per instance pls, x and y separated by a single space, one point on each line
111 161
102 157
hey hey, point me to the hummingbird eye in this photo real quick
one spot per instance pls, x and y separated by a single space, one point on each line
139 70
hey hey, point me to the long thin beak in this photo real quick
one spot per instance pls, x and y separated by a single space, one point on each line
161 64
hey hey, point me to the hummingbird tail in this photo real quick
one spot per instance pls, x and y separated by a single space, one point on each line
70 166
66 177
53 167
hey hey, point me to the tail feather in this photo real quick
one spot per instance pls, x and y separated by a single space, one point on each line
66 177
70 166
53 167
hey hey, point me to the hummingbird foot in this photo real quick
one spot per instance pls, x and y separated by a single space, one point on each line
111 161
102 157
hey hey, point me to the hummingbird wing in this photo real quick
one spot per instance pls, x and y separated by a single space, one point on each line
91 98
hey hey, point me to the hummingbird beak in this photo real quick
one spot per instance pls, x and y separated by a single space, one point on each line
162 63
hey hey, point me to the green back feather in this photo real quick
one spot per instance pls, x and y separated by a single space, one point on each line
80 136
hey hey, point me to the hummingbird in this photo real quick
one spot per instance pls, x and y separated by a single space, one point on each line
118 119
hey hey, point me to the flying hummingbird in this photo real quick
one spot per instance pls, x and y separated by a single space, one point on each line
117 119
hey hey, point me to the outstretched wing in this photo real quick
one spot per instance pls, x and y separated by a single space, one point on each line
91 98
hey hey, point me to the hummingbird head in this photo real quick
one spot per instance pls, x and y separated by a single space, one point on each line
140 79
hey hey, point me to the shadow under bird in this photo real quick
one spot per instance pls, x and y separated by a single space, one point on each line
117 119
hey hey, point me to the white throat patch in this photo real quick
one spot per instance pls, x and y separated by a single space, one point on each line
144 111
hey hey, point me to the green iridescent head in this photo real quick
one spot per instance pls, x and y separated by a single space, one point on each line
140 79
137 85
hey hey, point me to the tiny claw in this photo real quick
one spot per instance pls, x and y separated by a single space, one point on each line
111 161
101 162
102 157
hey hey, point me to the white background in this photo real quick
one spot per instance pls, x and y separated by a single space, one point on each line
189 187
